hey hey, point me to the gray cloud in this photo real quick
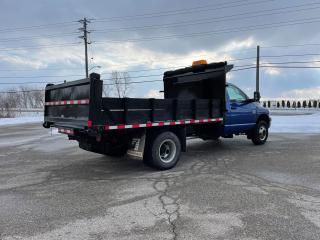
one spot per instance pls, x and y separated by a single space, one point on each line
15 13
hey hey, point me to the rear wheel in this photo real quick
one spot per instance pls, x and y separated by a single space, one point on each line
164 152
260 133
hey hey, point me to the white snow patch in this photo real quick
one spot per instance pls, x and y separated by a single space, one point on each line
296 124
20 120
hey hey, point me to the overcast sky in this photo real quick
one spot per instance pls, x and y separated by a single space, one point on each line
147 37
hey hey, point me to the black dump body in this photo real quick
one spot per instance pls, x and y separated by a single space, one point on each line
198 82
196 92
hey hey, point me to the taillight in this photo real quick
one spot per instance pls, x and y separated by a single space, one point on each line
89 124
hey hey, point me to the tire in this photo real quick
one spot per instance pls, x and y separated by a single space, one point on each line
260 133
164 152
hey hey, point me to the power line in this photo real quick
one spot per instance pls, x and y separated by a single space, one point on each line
21 83
48 76
75 75
59 24
178 11
42 69
293 45
106 79
135 82
22 91
182 11
156 69
195 34
41 46
76 68
293 62
36 37
217 32
295 67
158 80
291 55
215 19
121 65
181 23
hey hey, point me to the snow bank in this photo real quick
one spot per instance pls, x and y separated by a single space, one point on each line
20 120
296 124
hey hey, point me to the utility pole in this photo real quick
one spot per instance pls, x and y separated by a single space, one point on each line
85 39
257 92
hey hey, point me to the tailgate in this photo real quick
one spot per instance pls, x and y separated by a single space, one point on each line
70 105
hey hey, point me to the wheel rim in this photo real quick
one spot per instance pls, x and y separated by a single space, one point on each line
167 151
262 132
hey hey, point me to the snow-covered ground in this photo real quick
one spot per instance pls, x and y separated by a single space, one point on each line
296 123
307 123
20 120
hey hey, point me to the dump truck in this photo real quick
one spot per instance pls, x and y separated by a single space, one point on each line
198 102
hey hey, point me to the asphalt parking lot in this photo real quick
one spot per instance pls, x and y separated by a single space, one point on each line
229 189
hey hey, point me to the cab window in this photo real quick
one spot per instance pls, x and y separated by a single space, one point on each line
235 94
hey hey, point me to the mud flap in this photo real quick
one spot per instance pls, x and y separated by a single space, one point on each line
137 144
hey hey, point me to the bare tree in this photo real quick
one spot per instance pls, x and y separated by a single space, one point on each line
8 101
38 98
121 83
21 97
106 90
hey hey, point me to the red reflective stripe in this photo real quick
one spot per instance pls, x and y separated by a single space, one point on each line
89 124
67 102
156 124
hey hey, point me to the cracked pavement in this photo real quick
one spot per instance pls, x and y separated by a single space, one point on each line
228 189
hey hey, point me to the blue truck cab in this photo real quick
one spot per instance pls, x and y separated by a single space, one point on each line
245 116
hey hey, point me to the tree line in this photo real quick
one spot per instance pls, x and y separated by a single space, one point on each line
20 97
292 104
30 98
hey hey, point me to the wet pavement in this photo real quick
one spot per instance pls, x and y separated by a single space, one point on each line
228 189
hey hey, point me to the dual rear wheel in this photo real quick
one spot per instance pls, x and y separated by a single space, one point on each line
163 152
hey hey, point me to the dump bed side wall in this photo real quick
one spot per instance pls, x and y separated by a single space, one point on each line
138 110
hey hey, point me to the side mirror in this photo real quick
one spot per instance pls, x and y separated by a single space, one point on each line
256 96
